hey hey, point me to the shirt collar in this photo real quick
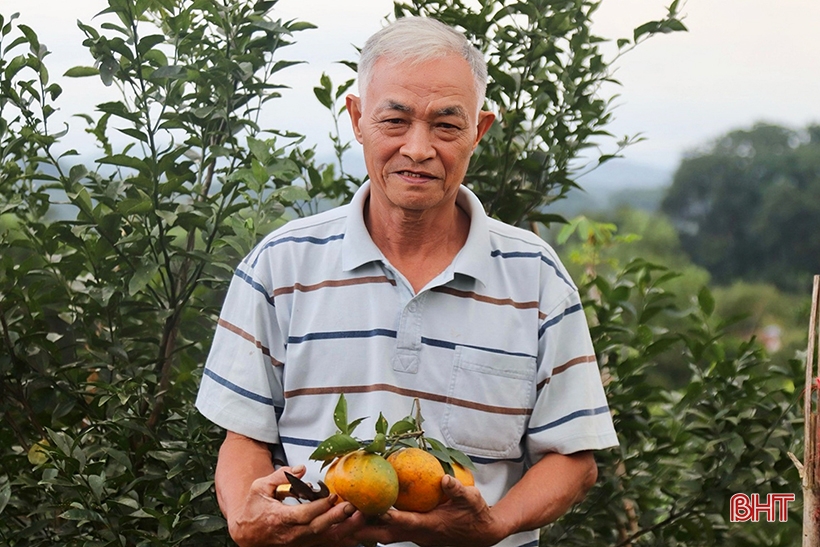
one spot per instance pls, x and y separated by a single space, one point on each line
358 247
472 260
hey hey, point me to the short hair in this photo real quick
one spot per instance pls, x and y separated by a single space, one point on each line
419 39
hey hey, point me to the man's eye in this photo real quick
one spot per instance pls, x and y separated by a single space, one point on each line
393 121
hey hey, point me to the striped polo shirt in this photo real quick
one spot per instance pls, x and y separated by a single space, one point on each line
496 348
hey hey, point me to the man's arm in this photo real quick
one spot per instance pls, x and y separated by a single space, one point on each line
547 490
241 461
245 481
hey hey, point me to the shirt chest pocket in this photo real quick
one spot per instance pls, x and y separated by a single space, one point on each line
490 400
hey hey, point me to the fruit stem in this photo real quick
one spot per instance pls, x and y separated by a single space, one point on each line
407 435
419 420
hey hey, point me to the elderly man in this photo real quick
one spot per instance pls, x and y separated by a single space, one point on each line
411 291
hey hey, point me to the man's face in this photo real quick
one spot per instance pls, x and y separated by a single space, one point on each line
418 126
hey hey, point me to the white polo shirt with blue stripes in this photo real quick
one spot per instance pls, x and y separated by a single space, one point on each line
496 348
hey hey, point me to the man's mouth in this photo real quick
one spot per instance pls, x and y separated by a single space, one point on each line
415 175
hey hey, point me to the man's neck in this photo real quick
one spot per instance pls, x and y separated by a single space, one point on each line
420 244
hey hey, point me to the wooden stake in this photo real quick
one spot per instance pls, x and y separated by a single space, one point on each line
811 492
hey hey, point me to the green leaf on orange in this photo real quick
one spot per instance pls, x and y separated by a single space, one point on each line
334 446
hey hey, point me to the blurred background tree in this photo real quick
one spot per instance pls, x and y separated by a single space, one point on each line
748 205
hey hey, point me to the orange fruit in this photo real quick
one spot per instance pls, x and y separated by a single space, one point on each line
419 474
464 475
330 478
366 480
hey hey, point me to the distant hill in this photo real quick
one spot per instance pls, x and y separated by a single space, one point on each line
614 184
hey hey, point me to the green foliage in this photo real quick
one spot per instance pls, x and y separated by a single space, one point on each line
602 249
657 241
754 193
545 70
106 318
777 319
682 453
596 239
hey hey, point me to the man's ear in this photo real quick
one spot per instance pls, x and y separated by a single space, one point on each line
485 121
354 109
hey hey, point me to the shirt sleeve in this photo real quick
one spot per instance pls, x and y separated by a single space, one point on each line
571 411
241 388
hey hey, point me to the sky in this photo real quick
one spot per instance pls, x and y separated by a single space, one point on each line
741 62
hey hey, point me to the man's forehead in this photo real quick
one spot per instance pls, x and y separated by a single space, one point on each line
447 77
438 112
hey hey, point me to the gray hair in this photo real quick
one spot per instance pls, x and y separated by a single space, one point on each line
419 39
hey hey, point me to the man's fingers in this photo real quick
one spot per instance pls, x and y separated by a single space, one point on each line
460 494
309 520
323 514
267 484
297 471
452 487
304 513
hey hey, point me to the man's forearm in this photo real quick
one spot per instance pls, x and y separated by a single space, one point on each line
241 461
547 491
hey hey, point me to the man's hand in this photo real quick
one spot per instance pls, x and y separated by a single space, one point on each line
245 485
463 521
266 522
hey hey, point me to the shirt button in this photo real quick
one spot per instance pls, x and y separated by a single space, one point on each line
412 307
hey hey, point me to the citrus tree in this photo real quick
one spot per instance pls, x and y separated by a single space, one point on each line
105 318
683 452
546 71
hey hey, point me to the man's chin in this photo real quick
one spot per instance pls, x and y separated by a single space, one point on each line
418 203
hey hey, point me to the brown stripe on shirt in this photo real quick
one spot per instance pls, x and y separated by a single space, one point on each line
487 299
247 336
333 283
410 393
571 363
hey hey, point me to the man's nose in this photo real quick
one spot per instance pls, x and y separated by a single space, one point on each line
418 144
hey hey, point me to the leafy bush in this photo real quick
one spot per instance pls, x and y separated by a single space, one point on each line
546 70
106 318
683 453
